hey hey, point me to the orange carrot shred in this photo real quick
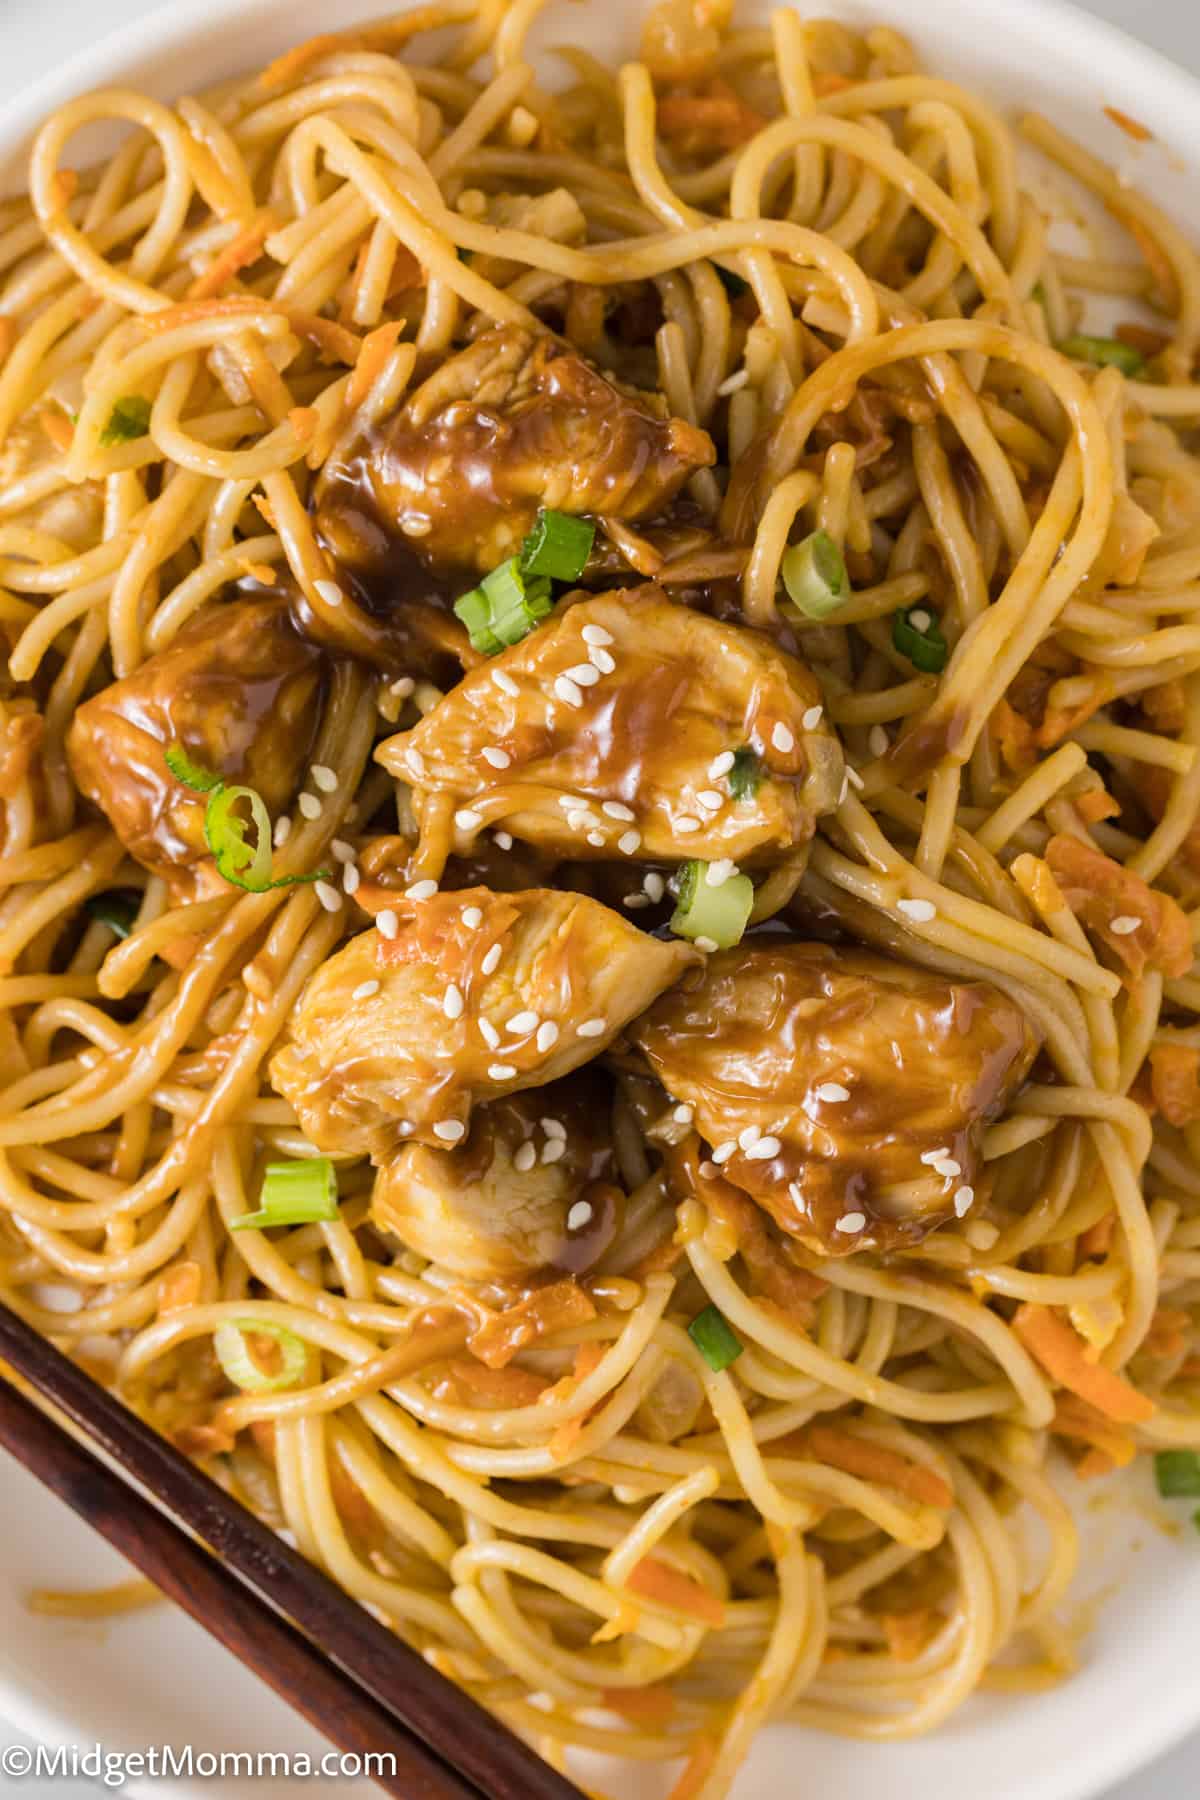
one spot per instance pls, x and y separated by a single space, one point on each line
908 1633
1096 1241
376 347
244 249
179 1287
1141 134
872 1462
1063 1355
699 1767
655 1580
651 1706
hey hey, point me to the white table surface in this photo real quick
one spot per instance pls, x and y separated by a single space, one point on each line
35 33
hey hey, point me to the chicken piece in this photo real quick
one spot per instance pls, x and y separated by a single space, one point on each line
844 1091
239 689
612 731
1140 925
476 995
530 1188
512 423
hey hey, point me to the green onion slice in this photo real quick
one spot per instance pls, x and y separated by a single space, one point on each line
233 1354
814 574
129 419
192 775
716 915
917 634
1104 353
558 546
504 608
746 773
302 1192
714 1340
242 864
1177 1473
116 909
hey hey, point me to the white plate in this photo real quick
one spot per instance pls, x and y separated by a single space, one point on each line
157 1678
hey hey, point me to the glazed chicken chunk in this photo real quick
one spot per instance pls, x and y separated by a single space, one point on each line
630 725
238 688
516 422
527 1189
845 1092
473 995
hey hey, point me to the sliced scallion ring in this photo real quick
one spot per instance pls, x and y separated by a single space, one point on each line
814 574
1177 1473
1104 352
746 773
714 1338
917 634
233 1354
302 1192
504 608
246 865
558 546
712 916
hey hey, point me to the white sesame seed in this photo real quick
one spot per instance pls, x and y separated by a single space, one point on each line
342 851
466 820
597 839
324 777
685 825
719 872
553 1149
328 895
706 943
710 800
489 1034
524 1159
878 742
282 832
724 1151
962 1201
600 659
831 1093
365 990
567 691
449 1130
504 840
547 1037
919 619
452 1002
616 809
491 961
421 890
1124 923
501 1072
499 759
654 885
387 924
919 911
472 918
596 634
628 842
351 878
635 902
584 675
853 777
750 1136
812 718
797 1197
579 1215
522 1022
733 382
579 819
947 1167
505 683
329 592
764 1149
592 1028
844 789
782 738
416 763
851 1221
403 686
683 1114
932 1156
720 765
310 806
569 802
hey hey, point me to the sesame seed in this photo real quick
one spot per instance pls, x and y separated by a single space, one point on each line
547 1037
592 1028
524 1159
489 1034
505 683
491 961
710 800
499 759
584 675
933 1156
504 840
449 1130
351 878
310 806
597 839
685 825
466 820
501 1072
579 1215
282 832
421 890
796 1196
919 911
387 924
733 382
553 1149
853 777
365 990
947 1167
522 1022
851 1221
720 765
782 738
1124 923
342 851
403 686
567 691
616 809
628 842
724 1151
844 789
600 659
596 634
962 1200
329 592
654 885
764 1149
414 525
920 620
706 943
878 742
750 1136
472 918
831 1093
416 763
812 718
324 777
579 819
718 873
635 902
683 1114
452 1002
709 1170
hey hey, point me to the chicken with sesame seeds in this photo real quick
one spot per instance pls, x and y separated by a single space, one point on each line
239 689
473 995
515 422
631 726
845 1092
531 1187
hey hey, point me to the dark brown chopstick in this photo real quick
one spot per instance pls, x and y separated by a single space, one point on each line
426 1703
185 1573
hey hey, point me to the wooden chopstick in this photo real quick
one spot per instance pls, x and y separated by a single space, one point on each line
466 1737
225 1607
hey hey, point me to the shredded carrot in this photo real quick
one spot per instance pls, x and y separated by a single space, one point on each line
202 1440
656 1581
717 118
1175 1083
1140 337
547 1309
373 353
262 572
871 1462
244 249
828 81
1075 1419
699 1768
384 37
1153 255
266 509
407 273
333 342
190 312
1099 891
1015 737
564 1438
908 1633
1141 134
1096 1241
179 1287
1064 1355
57 427
1057 721
1096 804
623 1621
649 1706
